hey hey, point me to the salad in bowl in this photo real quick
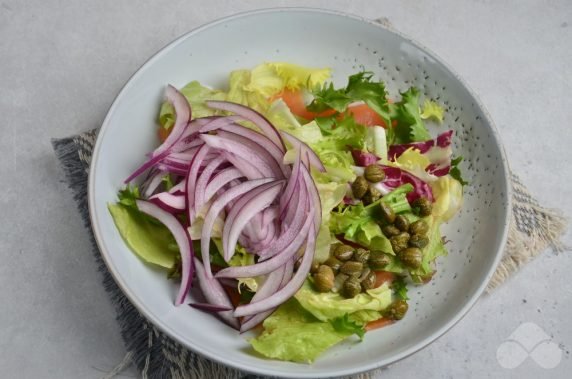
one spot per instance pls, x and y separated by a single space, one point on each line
291 209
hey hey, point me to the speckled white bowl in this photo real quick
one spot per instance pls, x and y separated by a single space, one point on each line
347 44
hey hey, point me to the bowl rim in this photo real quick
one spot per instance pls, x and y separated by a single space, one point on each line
470 302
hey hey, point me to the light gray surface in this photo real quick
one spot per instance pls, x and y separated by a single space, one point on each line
61 64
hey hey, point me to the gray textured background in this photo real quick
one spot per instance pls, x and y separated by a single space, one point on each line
62 63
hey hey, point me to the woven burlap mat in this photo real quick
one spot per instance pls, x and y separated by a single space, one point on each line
533 229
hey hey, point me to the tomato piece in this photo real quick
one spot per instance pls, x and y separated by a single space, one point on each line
364 115
376 324
382 277
295 101
164 133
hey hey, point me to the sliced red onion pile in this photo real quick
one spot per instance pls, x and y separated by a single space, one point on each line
226 171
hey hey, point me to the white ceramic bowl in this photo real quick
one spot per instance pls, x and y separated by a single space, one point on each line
347 44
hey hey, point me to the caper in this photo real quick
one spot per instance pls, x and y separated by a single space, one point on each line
423 206
390 231
324 279
401 223
359 187
351 288
314 267
411 257
387 213
361 255
374 173
333 263
399 242
419 241
423 278
351 268
397 310
333 247
371 196
369 281
378 260
419 227
344 252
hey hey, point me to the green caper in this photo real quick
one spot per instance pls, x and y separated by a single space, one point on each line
423 206
387 213
359 187
351 287
399 242
361 255
324 279
369 281
366 271
419 241
378 260
344 252
419 227
314 267
390 231
411 257
401 223
351 268
333 247
333 263
374 173
423 278
397 310
371 196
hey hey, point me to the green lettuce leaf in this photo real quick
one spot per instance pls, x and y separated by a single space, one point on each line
196 95
326 306
360 87
410 126
149 240
432 251
399 287
432 110
359 223
455 171
345 325
293 334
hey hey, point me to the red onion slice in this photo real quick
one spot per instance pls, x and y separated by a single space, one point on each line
273 263
210 307
250 322
203 180
261 140
248 169
215 208
182 117
289 289
220 122
220 180
182 239
191 180
239 216
152 183
254 157
277 165
169 202
251 115
292 182
215 294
